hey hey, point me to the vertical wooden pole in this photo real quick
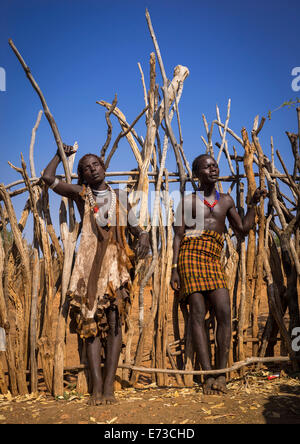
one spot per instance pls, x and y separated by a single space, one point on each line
261 241
33 322
251 241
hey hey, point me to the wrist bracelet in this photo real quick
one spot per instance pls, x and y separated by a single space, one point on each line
174 266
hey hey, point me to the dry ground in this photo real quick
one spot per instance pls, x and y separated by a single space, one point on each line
252 399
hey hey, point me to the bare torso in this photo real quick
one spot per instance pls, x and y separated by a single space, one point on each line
204 217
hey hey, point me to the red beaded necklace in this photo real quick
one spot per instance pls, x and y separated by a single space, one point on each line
208 204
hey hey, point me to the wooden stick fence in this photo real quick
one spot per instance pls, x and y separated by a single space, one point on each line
34 278
233 368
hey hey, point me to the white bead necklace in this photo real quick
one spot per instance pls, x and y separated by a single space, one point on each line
100 220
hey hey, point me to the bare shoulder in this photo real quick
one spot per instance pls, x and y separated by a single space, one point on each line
227 200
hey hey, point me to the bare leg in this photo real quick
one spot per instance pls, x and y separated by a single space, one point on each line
200 340
94 361
114 342
221 303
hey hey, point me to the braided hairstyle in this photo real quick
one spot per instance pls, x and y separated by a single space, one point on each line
79 167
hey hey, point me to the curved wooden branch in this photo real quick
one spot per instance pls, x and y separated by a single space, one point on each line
46 109
32 141
109 127
122 134
124 125
53 126
167 103
234 367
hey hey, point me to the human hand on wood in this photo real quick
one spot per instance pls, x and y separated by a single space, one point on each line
68 149
258 193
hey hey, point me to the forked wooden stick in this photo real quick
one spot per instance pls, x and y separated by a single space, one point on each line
48 114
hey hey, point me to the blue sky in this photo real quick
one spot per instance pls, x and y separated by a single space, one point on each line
81 51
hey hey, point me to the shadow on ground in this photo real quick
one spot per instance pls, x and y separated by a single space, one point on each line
284 407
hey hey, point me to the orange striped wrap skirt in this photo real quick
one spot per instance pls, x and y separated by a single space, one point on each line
199 265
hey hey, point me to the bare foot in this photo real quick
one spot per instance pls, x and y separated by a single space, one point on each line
95 399
109 399
208 386
220 385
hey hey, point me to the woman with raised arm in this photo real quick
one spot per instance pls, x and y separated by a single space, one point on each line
100 281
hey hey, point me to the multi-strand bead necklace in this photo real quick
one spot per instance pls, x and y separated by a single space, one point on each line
100 220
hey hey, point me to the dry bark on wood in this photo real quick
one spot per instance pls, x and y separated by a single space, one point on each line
151 153
3 318
261 237
22 335
33 322
275 309
69 234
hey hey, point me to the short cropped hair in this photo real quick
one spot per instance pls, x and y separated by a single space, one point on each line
196 162
79 167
